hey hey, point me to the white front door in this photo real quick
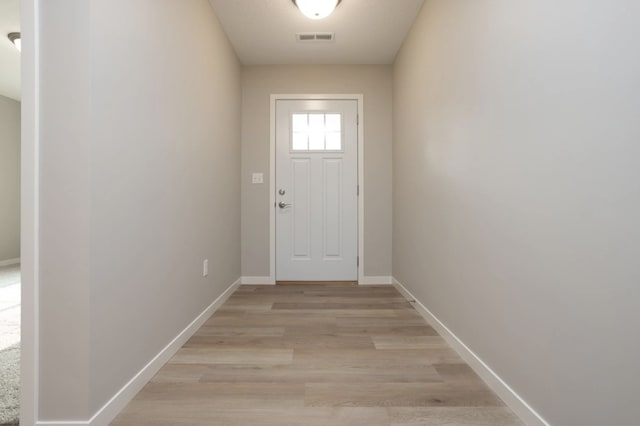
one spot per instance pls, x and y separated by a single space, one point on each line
316 190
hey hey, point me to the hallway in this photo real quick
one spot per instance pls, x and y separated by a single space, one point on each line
498 187
316 355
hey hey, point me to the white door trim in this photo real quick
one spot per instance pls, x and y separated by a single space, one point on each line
30 211
272 173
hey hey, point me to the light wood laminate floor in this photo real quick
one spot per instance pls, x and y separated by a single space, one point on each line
316 355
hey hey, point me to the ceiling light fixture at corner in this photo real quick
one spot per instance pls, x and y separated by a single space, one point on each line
15 39
316 9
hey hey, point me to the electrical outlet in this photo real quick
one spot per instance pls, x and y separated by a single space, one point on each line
205 268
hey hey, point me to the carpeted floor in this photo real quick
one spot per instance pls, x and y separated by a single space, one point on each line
9 275
9 345
10 385
9 306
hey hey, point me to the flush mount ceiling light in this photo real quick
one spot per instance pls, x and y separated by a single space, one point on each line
316 9
15 39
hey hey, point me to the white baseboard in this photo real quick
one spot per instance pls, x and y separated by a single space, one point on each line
257 281
120 400
10 262
369 280
372 280
499 386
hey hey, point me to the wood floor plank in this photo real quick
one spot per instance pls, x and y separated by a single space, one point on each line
396 395
255 319
316 355
154 414
375 358
341 305
448 416
378 322
315 330
214 395
299 341
215 330
408 342
317 374
245 307
234 355
317 300
385 330
341 313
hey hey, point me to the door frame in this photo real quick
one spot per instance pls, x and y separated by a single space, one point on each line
359 98
30 211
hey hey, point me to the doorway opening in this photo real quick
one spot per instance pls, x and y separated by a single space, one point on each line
10 201
10 188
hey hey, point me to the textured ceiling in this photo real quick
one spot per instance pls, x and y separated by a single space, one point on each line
366 31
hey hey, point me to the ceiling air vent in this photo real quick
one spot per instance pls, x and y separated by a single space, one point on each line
315 37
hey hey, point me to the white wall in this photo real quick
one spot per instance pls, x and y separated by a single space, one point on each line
9 179
139 165
374 82
517 193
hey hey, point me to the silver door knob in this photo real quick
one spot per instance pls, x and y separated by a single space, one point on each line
282 204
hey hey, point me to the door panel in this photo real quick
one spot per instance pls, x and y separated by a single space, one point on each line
316 190
301 218
332 219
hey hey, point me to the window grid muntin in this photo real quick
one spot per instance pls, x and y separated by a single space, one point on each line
316 132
